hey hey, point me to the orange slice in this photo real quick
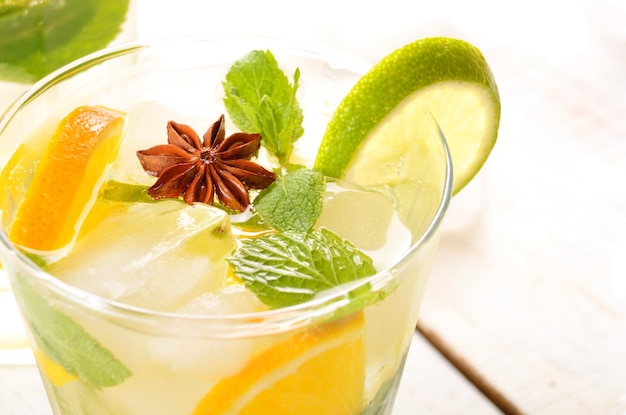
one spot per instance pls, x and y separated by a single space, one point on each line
66 181
319 371
53 371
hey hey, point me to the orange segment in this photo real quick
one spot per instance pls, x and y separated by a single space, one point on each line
53 371
66 182
319 371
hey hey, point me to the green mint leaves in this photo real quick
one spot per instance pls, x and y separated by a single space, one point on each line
116 191
62 340
293 202
37 37
260 99
292 267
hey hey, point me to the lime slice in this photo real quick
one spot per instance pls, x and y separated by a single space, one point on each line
375 125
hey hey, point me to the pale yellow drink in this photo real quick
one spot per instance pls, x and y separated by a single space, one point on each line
37 37
141 314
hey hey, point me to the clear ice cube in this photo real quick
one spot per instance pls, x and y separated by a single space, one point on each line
154 255
201 355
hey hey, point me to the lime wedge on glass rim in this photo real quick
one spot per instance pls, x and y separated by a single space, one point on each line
375 125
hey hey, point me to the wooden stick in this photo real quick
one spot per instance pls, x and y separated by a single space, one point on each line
468 371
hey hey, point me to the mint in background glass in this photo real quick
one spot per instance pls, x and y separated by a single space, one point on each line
39 36
36 38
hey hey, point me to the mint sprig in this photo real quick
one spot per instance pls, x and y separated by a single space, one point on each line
260 99
65 342
293 202
289 268
296 264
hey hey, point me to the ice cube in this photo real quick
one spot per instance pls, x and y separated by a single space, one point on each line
367 219
153 255
232 299
201 355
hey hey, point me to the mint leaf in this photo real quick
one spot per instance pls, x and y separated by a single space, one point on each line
293 202
292 267
115 191
260 99
251 223
39 37
65 342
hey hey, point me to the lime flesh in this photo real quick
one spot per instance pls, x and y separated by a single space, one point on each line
373 127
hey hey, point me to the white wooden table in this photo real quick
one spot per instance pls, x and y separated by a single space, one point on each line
528 291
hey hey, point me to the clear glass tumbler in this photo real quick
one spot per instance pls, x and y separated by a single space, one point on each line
37 37
336 354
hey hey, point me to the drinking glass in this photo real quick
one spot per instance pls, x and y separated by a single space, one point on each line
37 37
176 363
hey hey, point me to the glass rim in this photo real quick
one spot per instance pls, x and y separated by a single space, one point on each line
319 306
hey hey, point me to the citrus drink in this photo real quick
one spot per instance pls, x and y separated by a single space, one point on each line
37 37
240 280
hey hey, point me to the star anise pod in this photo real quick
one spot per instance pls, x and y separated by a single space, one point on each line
198 170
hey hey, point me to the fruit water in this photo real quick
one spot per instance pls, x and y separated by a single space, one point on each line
144 312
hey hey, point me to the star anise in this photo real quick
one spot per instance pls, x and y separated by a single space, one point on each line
198 170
